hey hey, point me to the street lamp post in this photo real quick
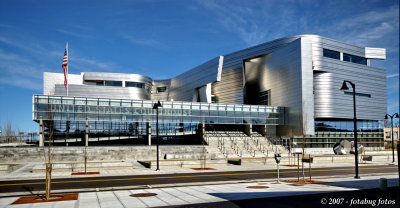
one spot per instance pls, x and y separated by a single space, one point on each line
344 87
156 106
396 115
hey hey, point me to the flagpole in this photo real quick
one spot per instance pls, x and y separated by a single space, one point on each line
67 69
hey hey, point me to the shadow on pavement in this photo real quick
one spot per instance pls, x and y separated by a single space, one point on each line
359 198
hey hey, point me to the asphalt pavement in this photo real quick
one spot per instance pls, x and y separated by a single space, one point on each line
128 181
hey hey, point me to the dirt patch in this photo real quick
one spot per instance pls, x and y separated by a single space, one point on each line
202 168
42 198
87 173
257 187
143 195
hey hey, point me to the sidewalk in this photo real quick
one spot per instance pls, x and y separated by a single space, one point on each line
197 194
23 173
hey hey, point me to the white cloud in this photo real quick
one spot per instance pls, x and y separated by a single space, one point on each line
4 56
370 28
138 41
76 34
23 82
238 19
92 64
392 75
25 69
19 71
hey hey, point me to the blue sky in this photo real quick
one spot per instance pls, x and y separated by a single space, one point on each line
164 38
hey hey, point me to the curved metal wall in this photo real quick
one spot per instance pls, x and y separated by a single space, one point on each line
183 86
87 89
230 88
160 95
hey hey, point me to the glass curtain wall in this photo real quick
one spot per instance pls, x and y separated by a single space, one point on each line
108 117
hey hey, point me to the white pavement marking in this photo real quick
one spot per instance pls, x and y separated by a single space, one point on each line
128 201
191 199
148 201
167 197
88 200
151 201
108 200
136 200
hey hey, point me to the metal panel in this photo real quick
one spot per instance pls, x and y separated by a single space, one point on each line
94 76
230 88
93 91
183 86
281 73
375 53
51 79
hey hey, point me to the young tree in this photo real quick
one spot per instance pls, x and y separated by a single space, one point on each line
9 133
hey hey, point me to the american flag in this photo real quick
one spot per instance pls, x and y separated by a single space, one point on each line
65 65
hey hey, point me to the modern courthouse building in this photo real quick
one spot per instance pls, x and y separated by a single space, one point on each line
285 88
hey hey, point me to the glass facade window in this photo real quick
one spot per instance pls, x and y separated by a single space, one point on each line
113 83
331 54
134 84
116 111
354 59
161 89
348 126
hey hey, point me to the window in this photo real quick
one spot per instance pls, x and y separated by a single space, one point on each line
331 54
387 134
161 89
113 83
213 99
354 59
134 84
264 98
99 83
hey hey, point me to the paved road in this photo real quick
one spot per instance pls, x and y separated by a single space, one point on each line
137 180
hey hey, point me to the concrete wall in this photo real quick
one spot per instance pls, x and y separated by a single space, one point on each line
110 153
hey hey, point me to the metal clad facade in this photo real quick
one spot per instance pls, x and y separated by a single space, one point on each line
330 101
182 87
230 88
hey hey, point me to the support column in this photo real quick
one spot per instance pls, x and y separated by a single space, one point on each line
148 130
202 129
87 133
248 129
263 130
41 135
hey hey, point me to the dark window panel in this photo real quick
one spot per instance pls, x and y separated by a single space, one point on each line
113 83
331 54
